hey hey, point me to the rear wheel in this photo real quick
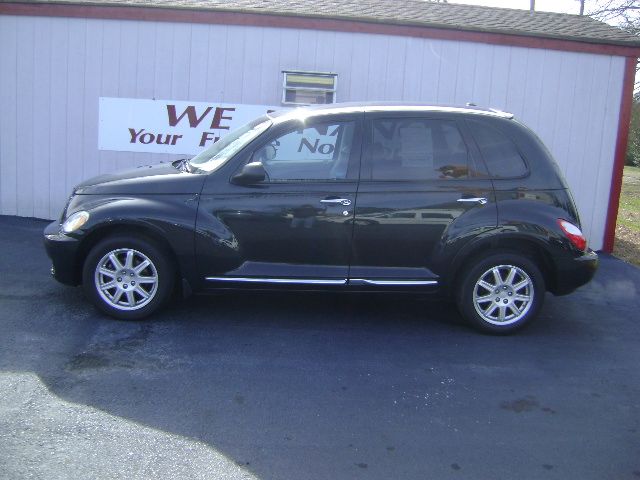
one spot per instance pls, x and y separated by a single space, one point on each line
501 293
127 278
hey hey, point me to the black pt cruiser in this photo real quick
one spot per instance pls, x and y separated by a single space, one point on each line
464 202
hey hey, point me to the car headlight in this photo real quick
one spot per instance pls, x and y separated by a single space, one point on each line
75 221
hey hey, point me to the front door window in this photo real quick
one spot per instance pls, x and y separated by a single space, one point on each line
318 152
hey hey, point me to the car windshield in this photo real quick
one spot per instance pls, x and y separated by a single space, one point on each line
225 148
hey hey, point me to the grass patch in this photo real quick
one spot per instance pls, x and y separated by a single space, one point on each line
627 244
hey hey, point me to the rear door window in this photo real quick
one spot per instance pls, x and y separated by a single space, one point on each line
500 154
417 149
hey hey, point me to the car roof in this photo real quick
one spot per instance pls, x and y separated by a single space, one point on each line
351 107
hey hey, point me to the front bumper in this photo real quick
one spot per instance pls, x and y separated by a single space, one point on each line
572 273
63 252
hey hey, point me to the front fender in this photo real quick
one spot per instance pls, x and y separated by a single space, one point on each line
169 219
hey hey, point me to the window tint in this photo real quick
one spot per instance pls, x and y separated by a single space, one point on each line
319 152
500 154
417 149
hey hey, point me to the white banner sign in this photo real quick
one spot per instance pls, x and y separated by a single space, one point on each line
167 126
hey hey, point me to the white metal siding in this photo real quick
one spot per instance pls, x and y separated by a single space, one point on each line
54 69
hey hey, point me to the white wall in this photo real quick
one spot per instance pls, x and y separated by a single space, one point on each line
52 71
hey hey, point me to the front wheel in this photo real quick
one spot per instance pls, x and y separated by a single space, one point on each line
127 278
501 293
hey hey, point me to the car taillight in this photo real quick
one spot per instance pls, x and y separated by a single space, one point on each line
574 234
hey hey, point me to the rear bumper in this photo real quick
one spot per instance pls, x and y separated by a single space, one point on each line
62 250
572 273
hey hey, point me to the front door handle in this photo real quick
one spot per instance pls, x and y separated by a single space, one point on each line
337 201
480 200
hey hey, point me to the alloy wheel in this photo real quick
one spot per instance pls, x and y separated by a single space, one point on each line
126 279
503 294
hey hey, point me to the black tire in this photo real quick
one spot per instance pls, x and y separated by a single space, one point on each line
161 268
503 297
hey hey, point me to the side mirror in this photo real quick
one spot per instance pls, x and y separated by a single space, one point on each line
251 173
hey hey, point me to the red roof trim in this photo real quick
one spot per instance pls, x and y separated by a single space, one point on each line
621 152
283 21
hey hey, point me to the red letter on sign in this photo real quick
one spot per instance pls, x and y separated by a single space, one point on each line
207 136
190 112
217 118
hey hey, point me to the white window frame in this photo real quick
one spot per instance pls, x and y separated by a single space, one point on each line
309 73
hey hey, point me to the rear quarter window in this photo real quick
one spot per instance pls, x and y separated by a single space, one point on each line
500 154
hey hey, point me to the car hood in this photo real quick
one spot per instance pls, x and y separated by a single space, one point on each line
162 178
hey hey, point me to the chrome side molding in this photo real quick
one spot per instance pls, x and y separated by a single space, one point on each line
296 281
314 281
406 283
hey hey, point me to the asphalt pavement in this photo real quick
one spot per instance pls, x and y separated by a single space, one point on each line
302 387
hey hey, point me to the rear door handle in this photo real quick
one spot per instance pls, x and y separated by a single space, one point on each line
480 200
337 201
